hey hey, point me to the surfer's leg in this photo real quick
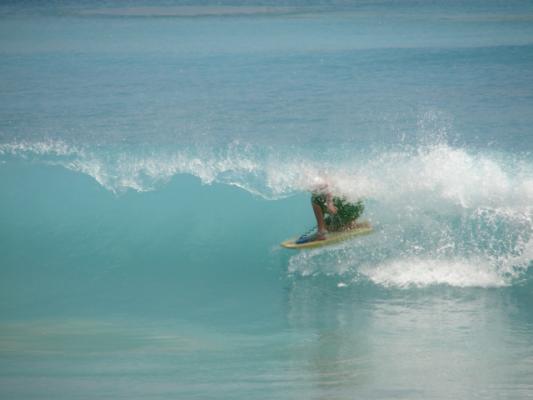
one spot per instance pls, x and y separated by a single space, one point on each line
321 224
319 215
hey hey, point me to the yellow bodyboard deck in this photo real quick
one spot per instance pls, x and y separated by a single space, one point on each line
362 228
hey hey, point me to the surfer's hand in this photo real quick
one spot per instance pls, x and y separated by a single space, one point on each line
332 209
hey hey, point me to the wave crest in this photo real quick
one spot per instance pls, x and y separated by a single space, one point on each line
435 174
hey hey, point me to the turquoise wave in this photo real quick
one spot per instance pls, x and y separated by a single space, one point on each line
443 216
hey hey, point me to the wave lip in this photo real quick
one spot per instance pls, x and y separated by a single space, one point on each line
432 176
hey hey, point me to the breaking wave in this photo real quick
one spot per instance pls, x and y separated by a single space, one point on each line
443 214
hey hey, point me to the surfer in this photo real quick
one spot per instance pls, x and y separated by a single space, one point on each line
332 214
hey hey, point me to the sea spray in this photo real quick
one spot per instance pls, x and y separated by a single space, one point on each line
437 172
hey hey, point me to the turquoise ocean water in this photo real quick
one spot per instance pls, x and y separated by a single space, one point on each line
153 155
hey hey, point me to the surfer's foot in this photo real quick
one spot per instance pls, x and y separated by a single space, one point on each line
320 235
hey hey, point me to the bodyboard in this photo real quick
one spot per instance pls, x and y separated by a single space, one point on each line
362 228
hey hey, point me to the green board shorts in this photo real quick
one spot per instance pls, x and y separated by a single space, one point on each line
346 214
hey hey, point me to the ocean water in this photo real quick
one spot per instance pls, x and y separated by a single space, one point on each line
153 155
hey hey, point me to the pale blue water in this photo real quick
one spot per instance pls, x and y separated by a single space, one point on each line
154 155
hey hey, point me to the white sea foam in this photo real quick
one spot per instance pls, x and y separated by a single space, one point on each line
407 271
437 174
425 272
39 148
481 247
440 173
